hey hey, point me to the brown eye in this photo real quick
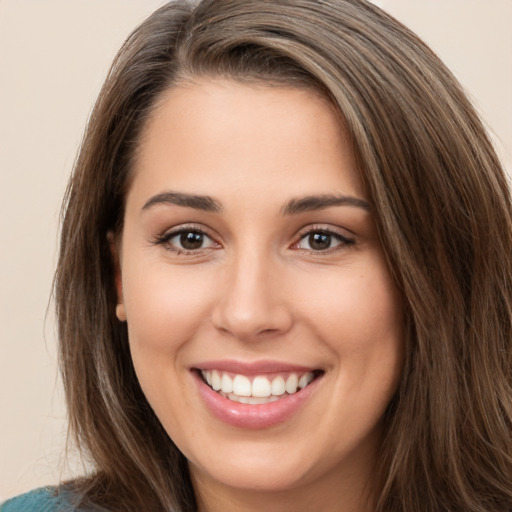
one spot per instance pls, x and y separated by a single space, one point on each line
191 240
319 241
187 240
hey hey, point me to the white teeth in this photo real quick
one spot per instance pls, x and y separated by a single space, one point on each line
261 387
216 384
226 384
291 383
253 400
305 380
278 388
242 386
260 390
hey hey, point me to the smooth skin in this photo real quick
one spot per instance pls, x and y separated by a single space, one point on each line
253 273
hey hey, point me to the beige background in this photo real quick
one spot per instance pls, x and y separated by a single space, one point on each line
54 55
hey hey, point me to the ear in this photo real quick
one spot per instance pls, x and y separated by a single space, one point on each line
114 245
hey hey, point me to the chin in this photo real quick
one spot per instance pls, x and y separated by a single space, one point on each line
261 476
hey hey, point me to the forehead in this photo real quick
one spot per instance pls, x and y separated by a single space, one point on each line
209 135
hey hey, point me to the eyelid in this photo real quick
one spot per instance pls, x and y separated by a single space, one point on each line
336 232
328 230
325 228
165 238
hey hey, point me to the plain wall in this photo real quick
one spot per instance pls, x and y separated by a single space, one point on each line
54 55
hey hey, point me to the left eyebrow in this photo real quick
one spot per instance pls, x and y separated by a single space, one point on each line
311 203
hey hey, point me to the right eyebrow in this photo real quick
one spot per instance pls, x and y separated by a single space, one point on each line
198 202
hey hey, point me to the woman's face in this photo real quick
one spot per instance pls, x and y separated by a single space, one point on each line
250 262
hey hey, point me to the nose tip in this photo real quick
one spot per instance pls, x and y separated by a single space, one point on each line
250 324
252 306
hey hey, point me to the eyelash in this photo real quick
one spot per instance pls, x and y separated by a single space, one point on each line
344 241
165 239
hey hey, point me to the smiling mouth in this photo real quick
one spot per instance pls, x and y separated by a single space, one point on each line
257 389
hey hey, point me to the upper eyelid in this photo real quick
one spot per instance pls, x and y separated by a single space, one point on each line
176 230
339 231
345 240
164 240
336 231
165 236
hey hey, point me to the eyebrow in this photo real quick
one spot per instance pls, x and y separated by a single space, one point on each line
198 202
292 207
312 203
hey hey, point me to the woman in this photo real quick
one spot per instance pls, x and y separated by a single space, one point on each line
284 279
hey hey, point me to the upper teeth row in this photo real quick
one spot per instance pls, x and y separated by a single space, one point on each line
260 386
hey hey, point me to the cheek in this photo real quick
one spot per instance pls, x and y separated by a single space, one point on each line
358 315
355 307
165 306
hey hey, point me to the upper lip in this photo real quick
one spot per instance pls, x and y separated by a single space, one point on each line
252 367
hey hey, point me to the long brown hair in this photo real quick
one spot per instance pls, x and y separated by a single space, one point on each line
442 208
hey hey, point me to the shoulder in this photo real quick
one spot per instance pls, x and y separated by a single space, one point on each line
45 499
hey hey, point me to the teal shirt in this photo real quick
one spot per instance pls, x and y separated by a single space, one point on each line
38 500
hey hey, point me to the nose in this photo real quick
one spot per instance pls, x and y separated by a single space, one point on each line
252 303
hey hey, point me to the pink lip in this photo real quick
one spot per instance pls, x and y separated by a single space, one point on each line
252 368
253 416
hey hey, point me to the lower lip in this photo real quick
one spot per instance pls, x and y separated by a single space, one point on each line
254 416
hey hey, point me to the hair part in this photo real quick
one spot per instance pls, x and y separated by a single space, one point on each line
441 205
